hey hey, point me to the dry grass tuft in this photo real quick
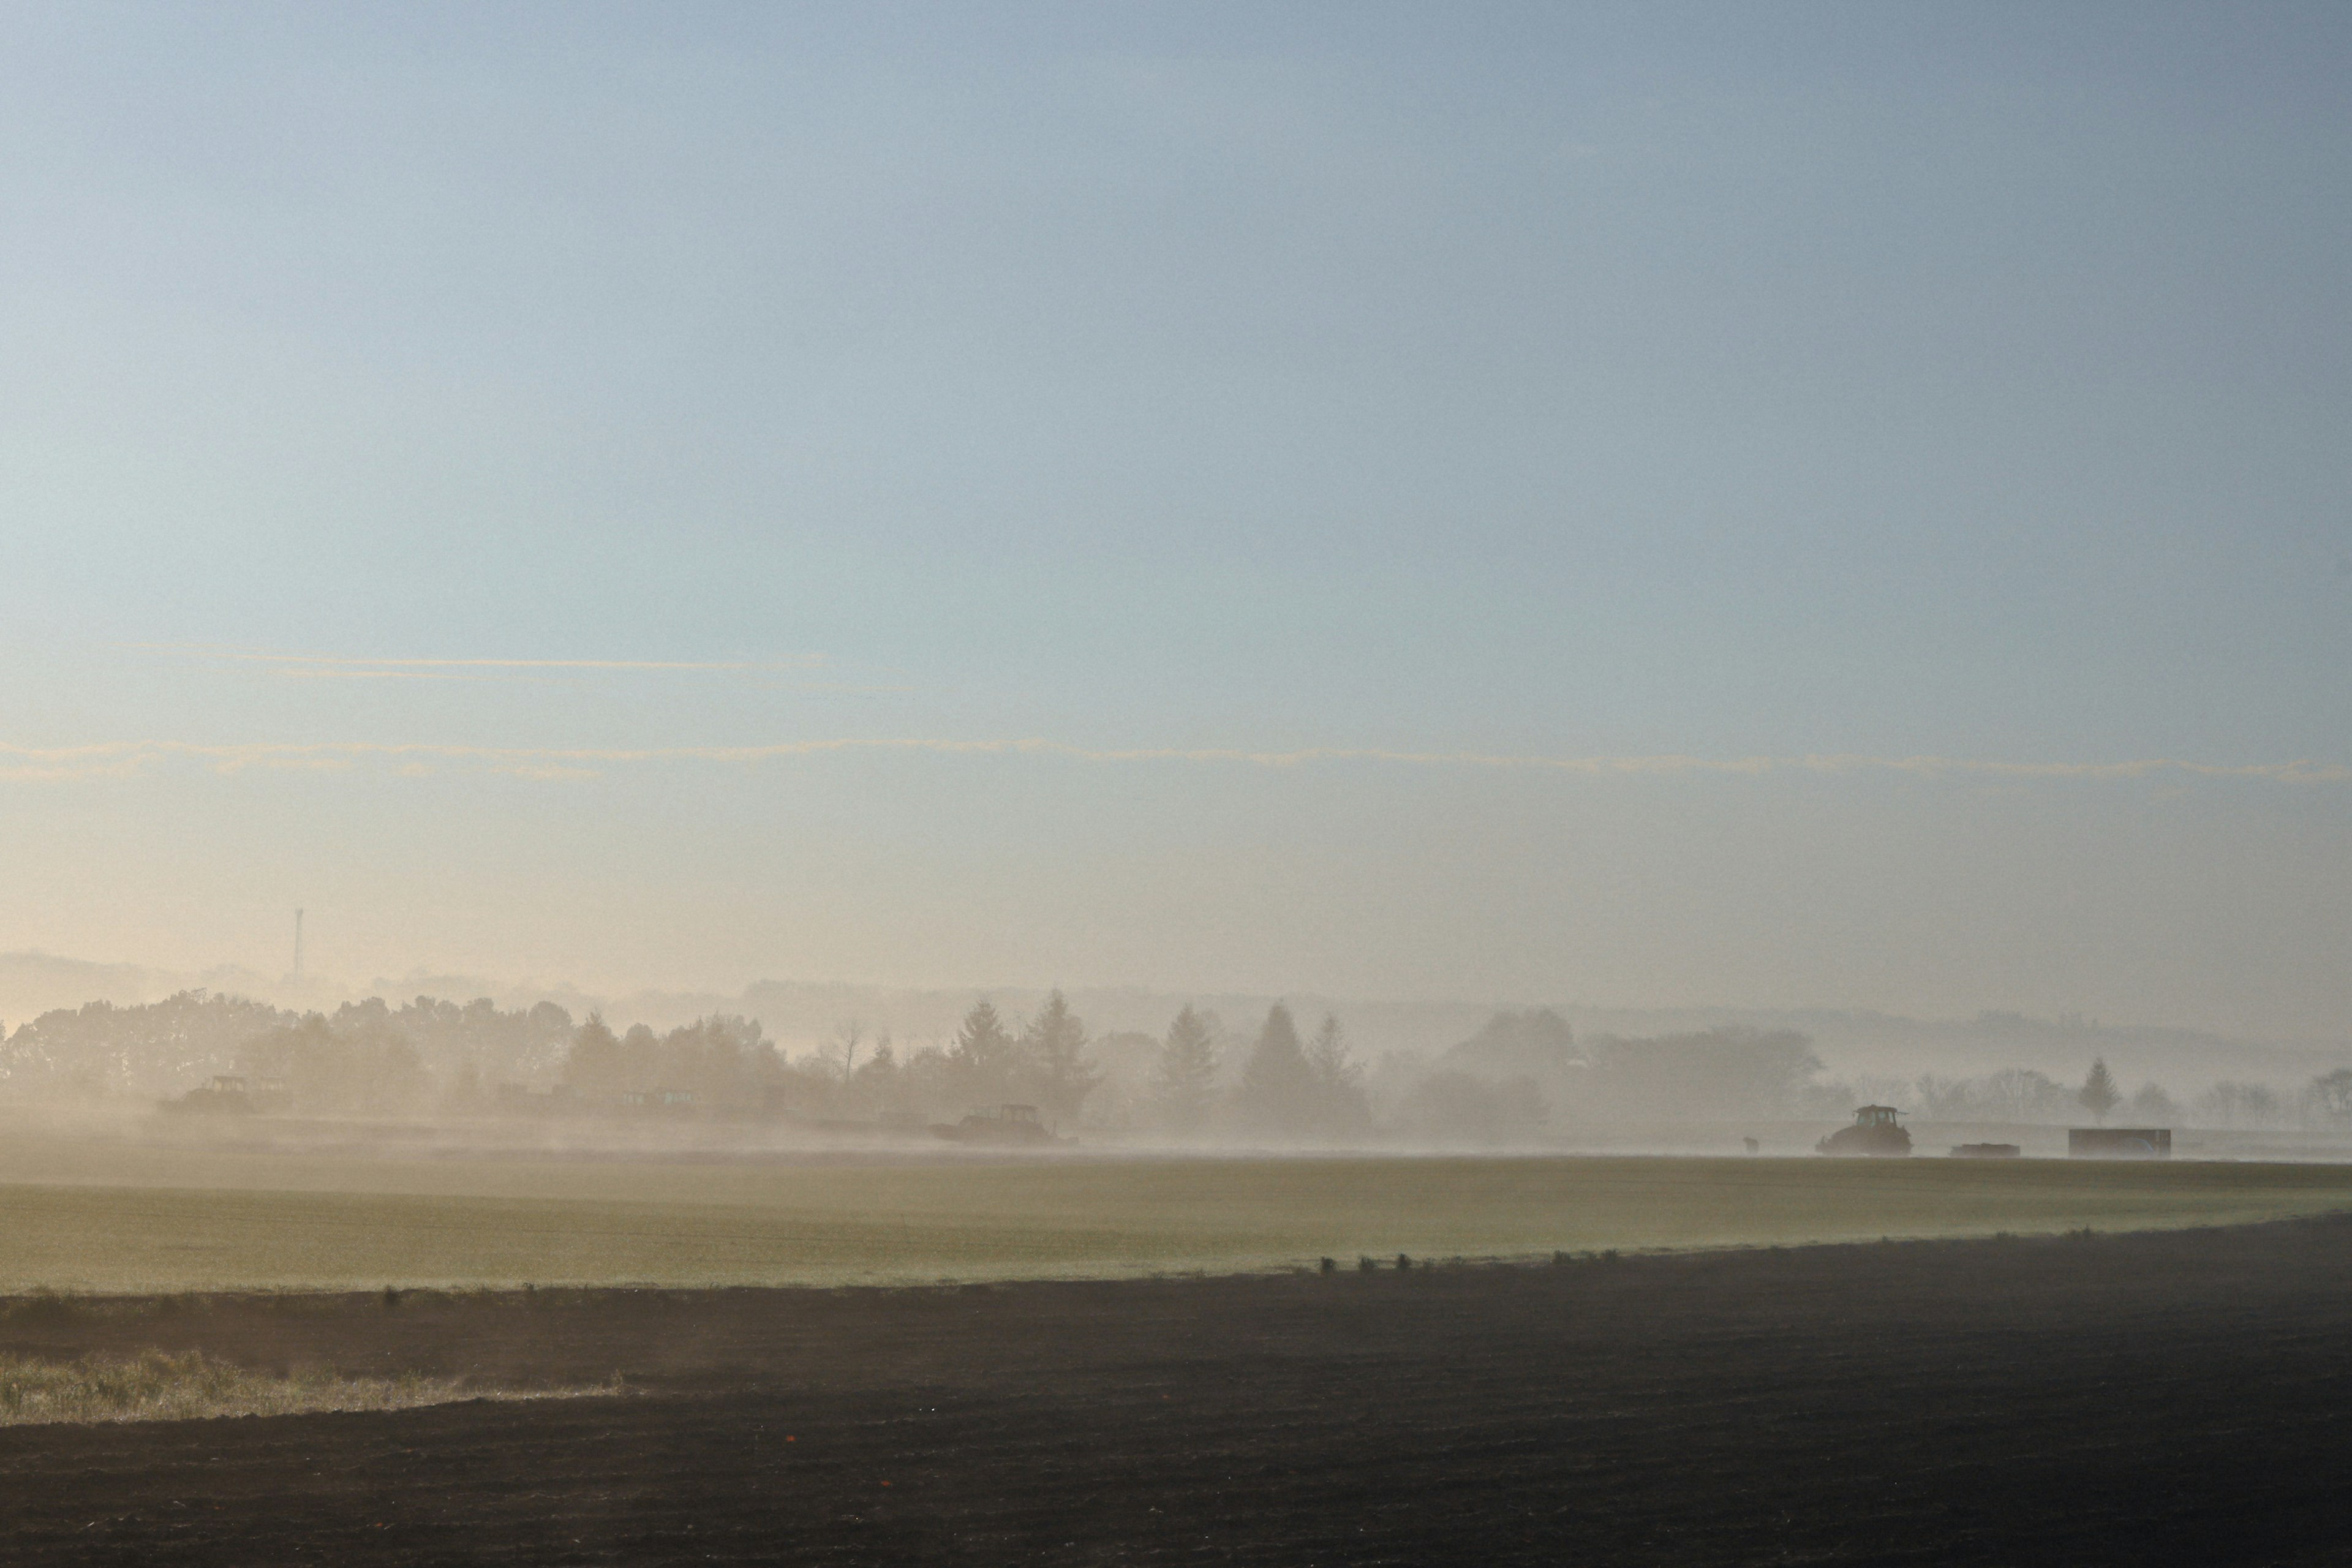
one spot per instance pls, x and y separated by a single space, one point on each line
156 1385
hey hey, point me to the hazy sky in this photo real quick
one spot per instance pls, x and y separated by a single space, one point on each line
617 405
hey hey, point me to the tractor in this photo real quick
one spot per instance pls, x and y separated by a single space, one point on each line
1876 1130
1005 1124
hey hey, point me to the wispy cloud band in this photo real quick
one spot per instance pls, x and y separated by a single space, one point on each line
353 667
121 758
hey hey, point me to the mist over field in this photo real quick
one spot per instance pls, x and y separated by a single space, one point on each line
810 1065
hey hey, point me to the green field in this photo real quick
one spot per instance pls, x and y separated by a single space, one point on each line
123 1217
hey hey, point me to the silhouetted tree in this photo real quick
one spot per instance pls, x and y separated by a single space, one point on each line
722 1059
928 1079
640 1056
2151 1106
1277 1093
2013 1094
1456 1107
1184 1084
1713 1074
2228 1104
1537 1044
981 1061
878 1085
2098 1094
2331 1093
168 1045
372 1069
595 1065
1341 1108
846 1038
1053 1047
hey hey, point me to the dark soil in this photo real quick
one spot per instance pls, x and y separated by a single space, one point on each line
2161 1398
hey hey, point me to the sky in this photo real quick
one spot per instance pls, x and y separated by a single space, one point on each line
1645 506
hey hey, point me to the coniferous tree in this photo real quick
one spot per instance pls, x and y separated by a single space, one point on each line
981 1061
2098 1094
1184 1084
1053 1047
875 1087
1341 1109
1277 1094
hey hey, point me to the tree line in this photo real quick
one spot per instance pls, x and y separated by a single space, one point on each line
1522 1079
1289 1088
2022 1095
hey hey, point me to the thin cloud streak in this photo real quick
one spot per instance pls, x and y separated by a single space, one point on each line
356 666
121 758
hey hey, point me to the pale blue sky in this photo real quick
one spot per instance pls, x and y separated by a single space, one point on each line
1540 382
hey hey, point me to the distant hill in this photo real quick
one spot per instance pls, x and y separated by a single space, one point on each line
32 984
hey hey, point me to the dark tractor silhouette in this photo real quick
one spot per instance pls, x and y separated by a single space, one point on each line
1876 1131
1005 1124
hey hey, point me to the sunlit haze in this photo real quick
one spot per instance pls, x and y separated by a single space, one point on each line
1641 507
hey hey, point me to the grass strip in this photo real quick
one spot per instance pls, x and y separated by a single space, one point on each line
158 1386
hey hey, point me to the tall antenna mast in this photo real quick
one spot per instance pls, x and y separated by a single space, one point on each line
298 941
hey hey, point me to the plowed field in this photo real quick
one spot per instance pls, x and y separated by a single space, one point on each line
2177 1397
